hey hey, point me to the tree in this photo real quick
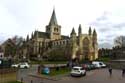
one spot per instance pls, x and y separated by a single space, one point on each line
13 45
119 41
9 48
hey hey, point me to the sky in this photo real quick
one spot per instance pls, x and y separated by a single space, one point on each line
22 17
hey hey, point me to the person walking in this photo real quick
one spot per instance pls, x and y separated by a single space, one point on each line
39 69
110 71
123 72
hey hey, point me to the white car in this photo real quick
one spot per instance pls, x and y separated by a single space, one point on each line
21 65
78 71
99 64
24 65
15 65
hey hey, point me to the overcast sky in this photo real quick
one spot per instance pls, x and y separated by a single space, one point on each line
22 17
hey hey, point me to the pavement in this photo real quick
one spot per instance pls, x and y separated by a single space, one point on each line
93 76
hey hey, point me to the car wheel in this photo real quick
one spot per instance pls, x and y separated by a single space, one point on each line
18 66
84 74
26 67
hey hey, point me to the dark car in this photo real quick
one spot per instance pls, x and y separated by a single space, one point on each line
5 63
88 66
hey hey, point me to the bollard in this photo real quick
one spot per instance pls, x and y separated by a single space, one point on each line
31 81
21 80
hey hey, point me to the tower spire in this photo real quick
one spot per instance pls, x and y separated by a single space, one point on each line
94 33
73 31
80 29
53 20
90 31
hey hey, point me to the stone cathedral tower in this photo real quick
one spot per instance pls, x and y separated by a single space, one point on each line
53 29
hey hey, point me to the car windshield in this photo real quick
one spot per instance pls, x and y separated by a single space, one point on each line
75 69
101 63
22 63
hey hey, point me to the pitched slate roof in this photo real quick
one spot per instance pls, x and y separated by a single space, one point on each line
41 34
64 37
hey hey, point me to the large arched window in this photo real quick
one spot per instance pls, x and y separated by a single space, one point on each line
86 47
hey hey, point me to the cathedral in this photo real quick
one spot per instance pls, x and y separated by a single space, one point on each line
81 46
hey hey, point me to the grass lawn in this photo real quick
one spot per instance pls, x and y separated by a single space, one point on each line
48 62
14 82
104 59
61 71
5 78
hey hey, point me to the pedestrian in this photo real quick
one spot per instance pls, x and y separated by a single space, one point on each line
123 72
110 71
39 69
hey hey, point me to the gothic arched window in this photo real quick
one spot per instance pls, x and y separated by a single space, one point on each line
86 47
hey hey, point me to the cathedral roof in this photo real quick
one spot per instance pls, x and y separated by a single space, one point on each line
53 20
64 37
41 34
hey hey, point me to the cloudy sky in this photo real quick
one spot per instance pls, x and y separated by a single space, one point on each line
22 17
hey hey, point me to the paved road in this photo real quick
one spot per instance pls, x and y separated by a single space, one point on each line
24 73
94 76
97 76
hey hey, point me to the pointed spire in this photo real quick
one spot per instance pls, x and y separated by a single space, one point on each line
90 31
53 20
32 35
73 31
94 33
80 29
27 38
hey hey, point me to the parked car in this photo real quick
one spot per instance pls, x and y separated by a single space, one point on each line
99 64
15 65
88 66
5 63
21 65
24 65
78 71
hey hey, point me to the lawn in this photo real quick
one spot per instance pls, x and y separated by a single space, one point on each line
104 59
7 77
14 82
61 71
48 62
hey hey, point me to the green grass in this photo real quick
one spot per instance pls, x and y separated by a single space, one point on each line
14 82
48 62
61 71
9 77
104 59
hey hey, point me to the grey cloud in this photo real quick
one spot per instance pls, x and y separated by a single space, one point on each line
104 16
110 35
103 30
119 26
107 28
105 45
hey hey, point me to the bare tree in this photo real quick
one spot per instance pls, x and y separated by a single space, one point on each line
119 41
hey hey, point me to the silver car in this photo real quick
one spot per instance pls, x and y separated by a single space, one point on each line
78 71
